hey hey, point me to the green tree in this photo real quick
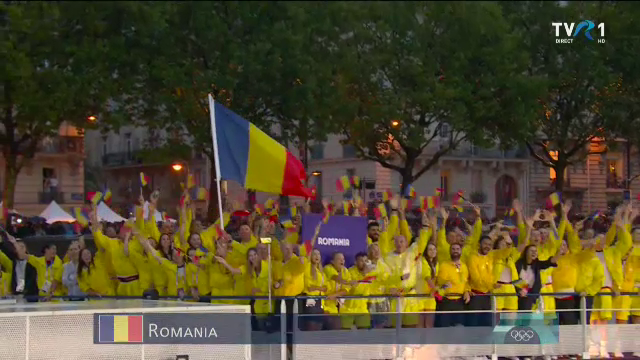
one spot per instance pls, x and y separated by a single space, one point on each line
409 70
62 62
581 87
258 59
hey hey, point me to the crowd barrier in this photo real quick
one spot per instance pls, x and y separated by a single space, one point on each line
33 334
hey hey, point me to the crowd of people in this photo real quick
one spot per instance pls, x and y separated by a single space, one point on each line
543 263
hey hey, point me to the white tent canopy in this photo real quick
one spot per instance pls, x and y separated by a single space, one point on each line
105 213
54 213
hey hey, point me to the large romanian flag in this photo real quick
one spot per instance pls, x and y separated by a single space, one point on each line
252 158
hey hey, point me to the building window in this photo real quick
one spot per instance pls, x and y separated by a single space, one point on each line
614 174
445 131
444 183
349 151
128 143
105 148
476 181
317 151
317 181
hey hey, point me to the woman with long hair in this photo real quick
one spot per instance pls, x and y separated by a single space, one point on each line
529 267
93 279
315 284
164 247
427 271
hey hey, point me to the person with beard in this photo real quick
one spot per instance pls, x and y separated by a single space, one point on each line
357 308
384 239
469 244
481 280
453 284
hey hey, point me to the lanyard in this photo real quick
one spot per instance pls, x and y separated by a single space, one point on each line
180 274
47 270
195 277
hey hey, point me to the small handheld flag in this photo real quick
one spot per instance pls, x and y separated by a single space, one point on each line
410 191
107 196
144 179
387 195
355 181
269 204
439 191
80 217
202 194
293 211
382 210
258 209
343 184
367 280
287 224
554 198
95 199
346 207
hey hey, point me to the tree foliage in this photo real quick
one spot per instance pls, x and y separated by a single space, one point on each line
407 69
259 59
582 90
62 62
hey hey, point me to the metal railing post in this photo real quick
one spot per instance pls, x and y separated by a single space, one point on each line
583 320
399 349
494 352
294 326
283 331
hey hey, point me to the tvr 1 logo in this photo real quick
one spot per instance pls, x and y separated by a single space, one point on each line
585 27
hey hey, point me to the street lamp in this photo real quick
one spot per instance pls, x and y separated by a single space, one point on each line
92 118
316 173
177 167
395 123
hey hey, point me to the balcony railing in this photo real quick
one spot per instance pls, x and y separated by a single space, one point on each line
614 182
62 145
122 159
478 152
47 197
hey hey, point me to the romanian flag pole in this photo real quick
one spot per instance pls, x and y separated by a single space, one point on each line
212 114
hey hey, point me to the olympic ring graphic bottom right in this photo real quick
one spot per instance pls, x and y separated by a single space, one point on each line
521 335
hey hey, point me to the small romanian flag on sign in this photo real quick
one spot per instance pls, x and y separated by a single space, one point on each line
386 196
120 328
410 191
343 184
144 179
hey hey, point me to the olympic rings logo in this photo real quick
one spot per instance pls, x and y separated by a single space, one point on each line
522 335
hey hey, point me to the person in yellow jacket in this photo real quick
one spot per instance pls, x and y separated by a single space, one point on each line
124 259
481 280
221 281
255 279
315 284
93 279
49 269
197 276
381 272
469 245
564 279
453 284
426 285
339 285
175 270
159 276
403 276
357 309
6 271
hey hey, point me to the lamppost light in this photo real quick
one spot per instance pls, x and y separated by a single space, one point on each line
177 167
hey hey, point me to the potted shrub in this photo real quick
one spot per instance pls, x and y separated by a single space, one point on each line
478 197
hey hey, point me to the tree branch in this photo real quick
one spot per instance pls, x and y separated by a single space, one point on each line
533 153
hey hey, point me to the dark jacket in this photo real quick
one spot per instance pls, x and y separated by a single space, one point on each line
30 272
537 266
